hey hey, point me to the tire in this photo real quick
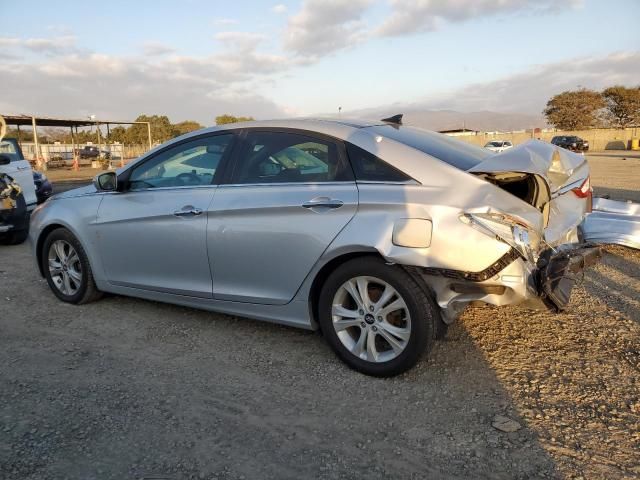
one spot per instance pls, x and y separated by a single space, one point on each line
82 287
344 319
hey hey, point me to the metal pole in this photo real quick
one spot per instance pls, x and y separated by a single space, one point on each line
19 139
37 145
99 139
149 133
73 146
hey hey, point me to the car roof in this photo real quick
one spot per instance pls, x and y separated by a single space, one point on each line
336 127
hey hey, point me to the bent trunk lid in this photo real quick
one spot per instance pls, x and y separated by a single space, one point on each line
557 169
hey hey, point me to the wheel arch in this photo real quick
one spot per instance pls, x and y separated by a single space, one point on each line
327 269
40 242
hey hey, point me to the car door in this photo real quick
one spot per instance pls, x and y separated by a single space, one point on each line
19 169
288 196
152 235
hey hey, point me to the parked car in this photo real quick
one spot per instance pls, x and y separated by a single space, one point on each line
376 233
92 152
498 145
17 192
573 143
44 189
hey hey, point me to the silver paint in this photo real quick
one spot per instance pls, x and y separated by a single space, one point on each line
256 250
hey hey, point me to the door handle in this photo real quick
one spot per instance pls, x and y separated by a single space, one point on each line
24 168
323 202
188 211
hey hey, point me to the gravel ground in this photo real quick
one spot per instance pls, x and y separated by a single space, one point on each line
125 388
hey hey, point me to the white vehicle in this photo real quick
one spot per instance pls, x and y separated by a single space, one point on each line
498 146
14 212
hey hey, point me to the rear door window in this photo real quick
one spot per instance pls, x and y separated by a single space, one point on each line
369 167
283 157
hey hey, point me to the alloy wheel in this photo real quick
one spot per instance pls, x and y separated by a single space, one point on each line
65 267
371 319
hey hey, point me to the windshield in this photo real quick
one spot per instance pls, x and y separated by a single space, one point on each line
454 152
493 144
10 148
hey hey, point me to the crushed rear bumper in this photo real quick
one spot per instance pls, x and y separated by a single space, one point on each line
559 272
546 285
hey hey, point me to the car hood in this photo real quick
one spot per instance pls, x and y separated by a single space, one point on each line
556 165
76 192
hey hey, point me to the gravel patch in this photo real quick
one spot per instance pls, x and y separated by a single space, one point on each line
125 388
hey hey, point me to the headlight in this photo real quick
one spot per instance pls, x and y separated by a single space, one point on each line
507 229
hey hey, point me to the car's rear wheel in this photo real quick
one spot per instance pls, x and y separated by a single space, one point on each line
376 317
67 269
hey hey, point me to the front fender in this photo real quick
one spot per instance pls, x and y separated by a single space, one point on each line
76 214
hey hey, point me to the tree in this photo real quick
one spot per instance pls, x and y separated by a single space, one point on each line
186 127
161 130
118 134
226 118
623 105
574 110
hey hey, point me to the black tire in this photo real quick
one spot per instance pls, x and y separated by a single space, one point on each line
420 305
87 291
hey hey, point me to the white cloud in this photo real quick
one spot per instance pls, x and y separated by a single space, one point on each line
528 91
123 87
322 27
279 8
156 49
44 46
428 15
239 40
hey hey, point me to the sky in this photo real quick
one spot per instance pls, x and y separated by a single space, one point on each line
193 59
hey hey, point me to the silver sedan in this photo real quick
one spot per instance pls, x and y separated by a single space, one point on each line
375 233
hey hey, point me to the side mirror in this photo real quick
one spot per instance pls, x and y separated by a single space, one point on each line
5 159
106 182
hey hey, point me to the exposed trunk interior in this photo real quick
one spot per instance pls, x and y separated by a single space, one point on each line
528 187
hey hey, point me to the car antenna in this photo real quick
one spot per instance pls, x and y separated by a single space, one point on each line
396 119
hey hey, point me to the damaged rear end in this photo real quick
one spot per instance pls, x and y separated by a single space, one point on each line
555 182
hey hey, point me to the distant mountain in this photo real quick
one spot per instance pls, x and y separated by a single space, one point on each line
450 119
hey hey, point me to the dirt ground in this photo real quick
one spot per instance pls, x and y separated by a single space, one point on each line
125 388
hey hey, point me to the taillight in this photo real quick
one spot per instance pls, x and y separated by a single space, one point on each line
584 190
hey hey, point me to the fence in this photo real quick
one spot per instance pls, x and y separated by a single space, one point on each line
599 139
61 155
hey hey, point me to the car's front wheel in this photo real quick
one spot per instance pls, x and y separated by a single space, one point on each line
376 317
67 269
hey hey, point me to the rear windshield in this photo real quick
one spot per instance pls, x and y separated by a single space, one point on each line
494 144
454 152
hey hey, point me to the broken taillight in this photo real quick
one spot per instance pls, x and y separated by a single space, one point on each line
584 191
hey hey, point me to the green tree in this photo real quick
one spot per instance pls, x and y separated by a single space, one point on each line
161 130
623 105
574 110
118 134
226 118
186 127
25 135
